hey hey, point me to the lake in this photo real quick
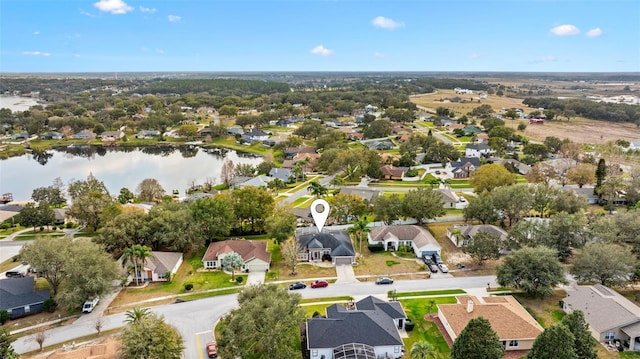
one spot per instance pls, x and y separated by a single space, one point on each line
176 168
17 103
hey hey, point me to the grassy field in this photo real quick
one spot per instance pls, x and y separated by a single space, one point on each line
424 330
383 264
433 101
428 292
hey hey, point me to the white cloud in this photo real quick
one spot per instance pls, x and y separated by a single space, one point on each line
549 58
386 23
378 55
475 55
565 30
36 33
36 53
115 7
321 50
86 13
174 18
149 10
594 32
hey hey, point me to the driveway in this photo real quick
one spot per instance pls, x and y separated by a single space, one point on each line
345 274
255 278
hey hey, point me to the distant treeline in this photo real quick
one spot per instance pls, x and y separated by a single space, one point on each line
220 87
586 108
49 85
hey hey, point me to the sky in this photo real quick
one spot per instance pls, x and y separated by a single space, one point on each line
319 35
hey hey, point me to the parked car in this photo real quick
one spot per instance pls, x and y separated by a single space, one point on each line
443 267
90 304
384 280
437 172
14 274
436 258
297 285
321 283
212 350
430 264
462 199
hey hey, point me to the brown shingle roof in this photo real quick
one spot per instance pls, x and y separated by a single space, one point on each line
245 248
507 317
389 170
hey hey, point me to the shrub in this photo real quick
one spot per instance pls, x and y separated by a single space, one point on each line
239 279
412 173
41 229
49 305
69 225
4 316
378 247
188 286
5 225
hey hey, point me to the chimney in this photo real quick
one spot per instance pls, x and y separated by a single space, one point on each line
469 306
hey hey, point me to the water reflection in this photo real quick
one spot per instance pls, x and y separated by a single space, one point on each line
175 167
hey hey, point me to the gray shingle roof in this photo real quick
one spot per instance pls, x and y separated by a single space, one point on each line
339 242
362 192
603 308
20 292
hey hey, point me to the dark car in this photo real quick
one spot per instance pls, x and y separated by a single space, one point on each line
212 350
430 264
436 258
297 285
384 280
14 274
319 283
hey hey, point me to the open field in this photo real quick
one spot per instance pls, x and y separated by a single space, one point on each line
433 101
580 130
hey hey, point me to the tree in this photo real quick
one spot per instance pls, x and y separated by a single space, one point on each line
266 325
125 195
29 216
601 174
232 262
490 176
88 208
136 314
49 258
136 255
535 270
79 188
317 189
40 336
227 172
244 170
423 203
281 224
378 129
346 207
513 201
541 173
422 350
556 342
582 174
484 246
538 150
51 194
98 324
482 209
512 114
6 350
604 263
228 110
150 190
477 341
188 130
360 227
584 343
265 167
388 209
150 338
252 205
442 111
565 232
610 191
290 250
213 217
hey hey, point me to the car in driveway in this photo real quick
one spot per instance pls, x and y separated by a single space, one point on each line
90 305
430 264
443 268
321 283
297 285
384 280
436 258
212 350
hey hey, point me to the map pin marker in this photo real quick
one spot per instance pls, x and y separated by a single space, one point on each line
320 217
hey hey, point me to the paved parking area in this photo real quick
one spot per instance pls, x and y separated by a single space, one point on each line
255 278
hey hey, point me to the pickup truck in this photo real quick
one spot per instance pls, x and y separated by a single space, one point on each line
90 304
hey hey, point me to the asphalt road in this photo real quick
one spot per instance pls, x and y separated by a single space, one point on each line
195 319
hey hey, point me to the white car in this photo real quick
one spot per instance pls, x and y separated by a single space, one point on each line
90 304
443 268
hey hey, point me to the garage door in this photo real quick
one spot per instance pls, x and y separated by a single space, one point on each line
343 260
257 267
428 253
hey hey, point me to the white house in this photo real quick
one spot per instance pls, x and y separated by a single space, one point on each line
156 267
478 150
421 241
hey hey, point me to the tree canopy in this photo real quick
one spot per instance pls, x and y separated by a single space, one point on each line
535 270
490 176
477 341
150 337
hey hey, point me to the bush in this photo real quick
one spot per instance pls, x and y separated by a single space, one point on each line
188 286
376 247
5 225
69 225
239 279
4 316
49 305
41 229
412 173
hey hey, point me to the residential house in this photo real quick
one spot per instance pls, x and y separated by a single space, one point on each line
586 192
521 167
112 136
235 130
515 327
258 181
256 134
303 216
60 216
368 195
157 267
463 167
52 135
450 199
419 239
468 231
471 130
291 152
391 172
19 297
368 328
255 257
310 158
355 136
20 136
145 134
610 315
482 138
204 132
633 145
334 246
478 150
282 173
270 142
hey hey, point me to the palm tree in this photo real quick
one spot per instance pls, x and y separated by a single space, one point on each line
360 227
298 169
422 350
434 182
457 234
136 253
446 183
136 314
337 181
317 189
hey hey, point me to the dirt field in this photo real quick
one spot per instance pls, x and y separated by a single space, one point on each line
433 101
581 130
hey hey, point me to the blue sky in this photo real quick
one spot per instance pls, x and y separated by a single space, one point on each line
315 35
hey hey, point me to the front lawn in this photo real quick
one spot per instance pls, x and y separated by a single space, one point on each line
385 264
304 270
424 330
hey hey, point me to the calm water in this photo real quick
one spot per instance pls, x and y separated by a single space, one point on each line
174 168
